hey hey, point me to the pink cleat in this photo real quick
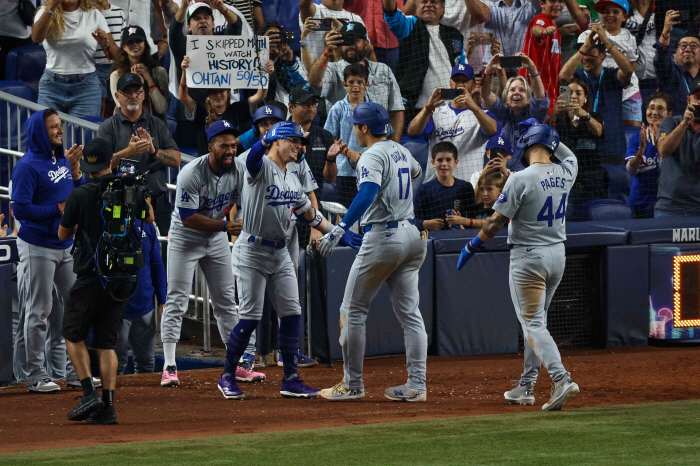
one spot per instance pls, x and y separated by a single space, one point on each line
169 378
246 374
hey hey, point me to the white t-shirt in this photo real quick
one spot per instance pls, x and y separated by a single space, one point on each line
315 39
645 65
75 53
116 22
626 43
439 67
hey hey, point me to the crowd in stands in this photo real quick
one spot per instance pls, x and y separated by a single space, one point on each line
619 81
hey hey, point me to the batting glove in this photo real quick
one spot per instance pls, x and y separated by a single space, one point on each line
330 240
351 239
466 254
282 131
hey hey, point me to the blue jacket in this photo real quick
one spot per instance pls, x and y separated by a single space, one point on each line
41 180
151 277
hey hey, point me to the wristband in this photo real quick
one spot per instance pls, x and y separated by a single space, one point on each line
151 87
534 75
345 152
48 9
224 227
304 43
426 107
327 55
476 242
489 75
471 222
330 160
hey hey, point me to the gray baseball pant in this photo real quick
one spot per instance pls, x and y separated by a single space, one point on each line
535 273
140 333
393 256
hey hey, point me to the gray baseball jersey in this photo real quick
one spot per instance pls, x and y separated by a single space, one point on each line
392 167
200 189
535 199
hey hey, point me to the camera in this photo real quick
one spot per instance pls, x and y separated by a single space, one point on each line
450 94
349 39
511 62
287 37
696 112
326 25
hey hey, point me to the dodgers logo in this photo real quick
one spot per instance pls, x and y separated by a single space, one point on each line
502 198
58 175
278 197
268 111
185 197
365 172
443 133
220 202
501 142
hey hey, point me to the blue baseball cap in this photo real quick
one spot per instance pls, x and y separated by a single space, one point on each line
371 114
221 126
297 131
268 111
499 141
463 68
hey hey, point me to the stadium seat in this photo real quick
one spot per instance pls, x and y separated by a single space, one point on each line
17 89
26 64
419 148
329 193
171 113
583 211
629 131
165 61
603 212
620 182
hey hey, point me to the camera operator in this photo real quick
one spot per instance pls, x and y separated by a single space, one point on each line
89 304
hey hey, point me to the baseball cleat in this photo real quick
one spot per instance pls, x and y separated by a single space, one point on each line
403 393
88 405
44 387
227 386
562 390
295 388
522 394
303 361
245 374
169 378
341 393
96 383
103 417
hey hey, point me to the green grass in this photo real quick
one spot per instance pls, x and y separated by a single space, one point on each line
653 434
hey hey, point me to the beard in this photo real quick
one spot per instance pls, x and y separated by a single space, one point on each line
358 57
223 168
133 107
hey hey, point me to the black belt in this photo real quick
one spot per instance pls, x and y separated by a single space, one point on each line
268 243
392 224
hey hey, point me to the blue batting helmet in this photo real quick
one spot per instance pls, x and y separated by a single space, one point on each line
268 111
294 131
536 134
371 114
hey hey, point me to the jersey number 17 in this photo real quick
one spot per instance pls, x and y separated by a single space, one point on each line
545 214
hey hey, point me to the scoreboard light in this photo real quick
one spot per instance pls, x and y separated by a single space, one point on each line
686 291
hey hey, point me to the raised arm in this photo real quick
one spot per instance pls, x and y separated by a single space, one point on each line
580 18
417 125
538 91
41 26
307 9
669 143
480 11
624 74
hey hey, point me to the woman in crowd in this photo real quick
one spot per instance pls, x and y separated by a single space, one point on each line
642 157
135 57
71 31
580 128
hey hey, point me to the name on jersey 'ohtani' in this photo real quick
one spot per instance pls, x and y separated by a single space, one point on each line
279 197
218 202
554 182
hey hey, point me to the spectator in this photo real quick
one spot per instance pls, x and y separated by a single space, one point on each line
605 86
446 201
580 128
288 74
543 43
355 79
675 76
14 32
139 325
679 147
509 20
488 189
460 122
116 22
218 107
385 44
642 158
569 32
4 227
383 88
614 14
519 102
326 9
138 13
641 24
427 50
495 48
137 135
135 57
251 11
41 182
263 118
71 31
499 151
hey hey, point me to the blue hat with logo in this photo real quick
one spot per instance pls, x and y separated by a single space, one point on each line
463 68
600 6
371 114
499 141
268 111
221 126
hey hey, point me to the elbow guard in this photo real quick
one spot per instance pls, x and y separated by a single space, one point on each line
314 222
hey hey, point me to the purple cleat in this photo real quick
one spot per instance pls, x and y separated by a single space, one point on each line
227 386
295 388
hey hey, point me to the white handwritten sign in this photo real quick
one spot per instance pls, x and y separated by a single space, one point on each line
227 62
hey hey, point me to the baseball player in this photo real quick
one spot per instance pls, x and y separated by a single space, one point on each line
534 199
207 187
392 251
271 195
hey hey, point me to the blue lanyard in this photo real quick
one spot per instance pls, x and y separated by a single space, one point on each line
597 93
685 81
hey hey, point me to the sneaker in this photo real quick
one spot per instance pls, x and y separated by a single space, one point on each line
403 393
96 382
44 386
522 394
245 374
88 405
562 390
227 386
103 417
295 388
169 378
341 393
303 361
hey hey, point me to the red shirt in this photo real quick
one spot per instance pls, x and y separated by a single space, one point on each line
372 14
545 52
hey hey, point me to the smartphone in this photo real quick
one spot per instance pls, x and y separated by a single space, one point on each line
326 25
511 62
485 38
696 112
287 37
449 94
684 16
349 39
565 91
127 166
